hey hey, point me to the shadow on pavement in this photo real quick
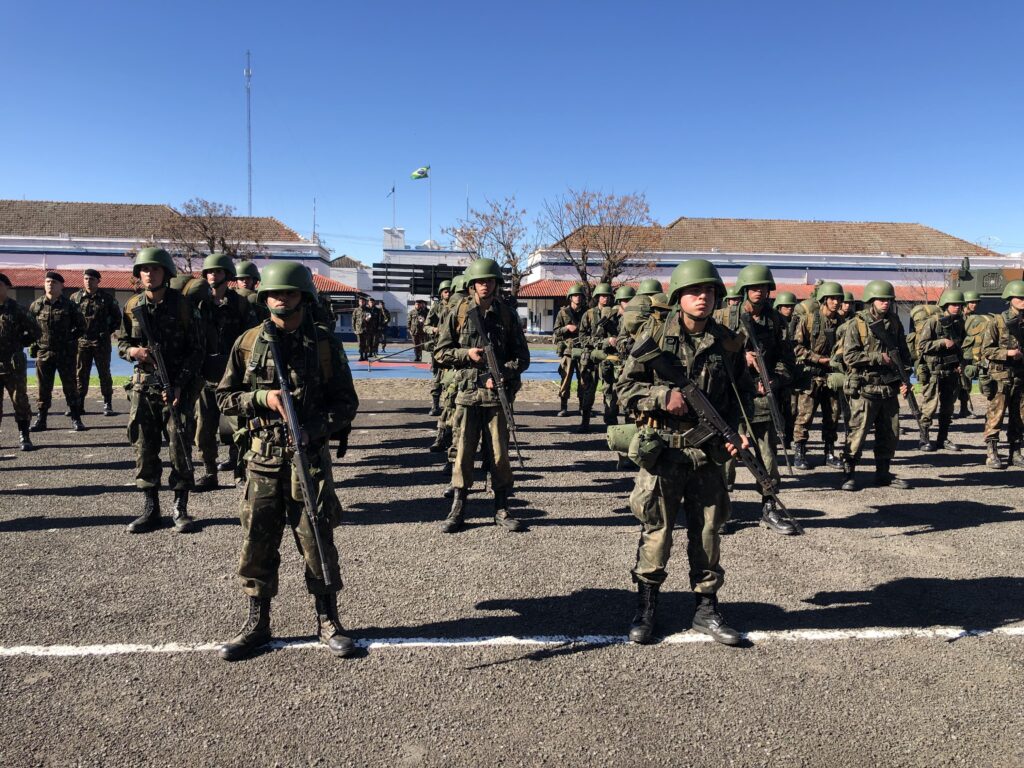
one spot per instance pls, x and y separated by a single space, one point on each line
934 517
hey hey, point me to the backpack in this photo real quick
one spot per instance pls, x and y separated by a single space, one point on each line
919 315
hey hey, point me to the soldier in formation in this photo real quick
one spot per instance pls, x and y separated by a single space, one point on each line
359 327
18 329
326 403
432 327
1002 349
371 327
416 326
449 390
61 325
974 327
940 342
247 277
566 331
785 302
154 403
478 321
102 317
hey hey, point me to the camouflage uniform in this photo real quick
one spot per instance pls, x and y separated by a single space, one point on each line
1005 384
432 325
417 333
598 326
814 337
564 340
61 325
359 328
102 317
18 329
941 389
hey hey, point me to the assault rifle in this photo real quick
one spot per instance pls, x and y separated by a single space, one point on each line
1013 330
299 460
498 378
766 385
711 423
891 348
155 348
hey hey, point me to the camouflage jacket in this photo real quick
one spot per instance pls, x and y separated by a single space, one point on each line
18 329
102 315
997 340
321 383
598 325
567 316
225 321
416 322
259 309
869 374
931 341
435 318
459 334
177 323
358 320
814 335
60 323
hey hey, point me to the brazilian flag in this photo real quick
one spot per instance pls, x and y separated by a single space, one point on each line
420 173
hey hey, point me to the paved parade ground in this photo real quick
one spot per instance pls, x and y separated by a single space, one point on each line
890 634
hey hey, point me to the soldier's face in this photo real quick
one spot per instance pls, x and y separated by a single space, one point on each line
881 306
249 283
52 287
732 301
972 306
953 309
831 304
215 277
622 304
845 308
484 288
1017 304
757 293
574 300
286 300
602 301
151 276
786 312
445 294
698 300
91 283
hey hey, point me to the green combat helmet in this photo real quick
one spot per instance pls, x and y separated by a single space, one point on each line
577 290
603 289
878 289
219 261
650 286
659 302
950 296
157 256
247 269
625 293
1014 290
848 297
287 276
830 289
733 292
459 284
754 274
195 289
971 296
785 299
483 269
446 285
693 272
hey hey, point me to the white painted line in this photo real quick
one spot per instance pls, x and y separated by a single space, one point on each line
682 638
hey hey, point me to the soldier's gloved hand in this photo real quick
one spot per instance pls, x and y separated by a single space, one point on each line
744 444
173 398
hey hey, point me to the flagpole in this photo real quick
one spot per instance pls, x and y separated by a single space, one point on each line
394 196
430 203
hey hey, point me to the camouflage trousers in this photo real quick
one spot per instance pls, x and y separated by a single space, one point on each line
586 382
939 395
435 381
473 423
148 417
364 339
1007 398
12 379
273 498
50 363
207 423
764 441
879 414
808 402
611 399
787 408
97 352
417 340
655 501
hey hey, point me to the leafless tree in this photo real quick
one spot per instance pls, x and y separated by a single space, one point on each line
201 227
499 231
567 222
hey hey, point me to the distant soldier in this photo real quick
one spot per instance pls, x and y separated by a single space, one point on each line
102 317
847 308
461 348
566 331
326 403
173 318
416 327
785 301
1002 348
371 327
593 335
61 325
359 326
18 329
733 296
971 343
599 328
432 327
873 385
635 314
383 321
247 277
940 342
228 315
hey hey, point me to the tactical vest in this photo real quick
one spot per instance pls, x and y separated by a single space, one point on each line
946 361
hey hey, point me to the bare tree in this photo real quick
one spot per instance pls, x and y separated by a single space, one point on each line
921 282
567 222
499 231
201 227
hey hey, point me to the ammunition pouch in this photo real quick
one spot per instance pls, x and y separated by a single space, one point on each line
645 448
879 391
970 372
924 373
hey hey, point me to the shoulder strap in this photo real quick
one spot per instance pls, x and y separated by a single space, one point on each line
324 352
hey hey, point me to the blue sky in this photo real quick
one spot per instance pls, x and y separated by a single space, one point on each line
891 111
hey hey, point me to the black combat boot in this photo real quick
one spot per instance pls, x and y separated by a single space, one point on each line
183 521
564 410
992 459
926 444
584 426
773 521
885 478
800 455
501 514
453 522
39 422
150 518
942 439
254 634
849 476
26 440
965 408
329 628
108 408
207 482
435 408
438 445
709 621
831 459
641 631
229 464
76 422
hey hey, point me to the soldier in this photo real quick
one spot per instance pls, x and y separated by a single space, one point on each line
380 343
228 315
327 403
416 327
1001 347
247 277
460 347
755 284
449 391
970 369
18 329
940 342
872 386
847 308
435 317
61 325
371 327
175 320
598 329
814 340
359 326
678 476
102 317
785 301
733 296
567 330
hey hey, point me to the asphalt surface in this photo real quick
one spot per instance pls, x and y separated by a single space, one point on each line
944 554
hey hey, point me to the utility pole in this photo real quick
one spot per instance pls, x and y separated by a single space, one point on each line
248 119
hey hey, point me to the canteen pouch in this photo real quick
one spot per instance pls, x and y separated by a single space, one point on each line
620 436
645 448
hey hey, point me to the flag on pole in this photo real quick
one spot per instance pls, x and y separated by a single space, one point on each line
420 173
389 194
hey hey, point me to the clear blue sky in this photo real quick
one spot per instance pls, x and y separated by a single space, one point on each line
891 111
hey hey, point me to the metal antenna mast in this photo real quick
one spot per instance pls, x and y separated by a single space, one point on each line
248 120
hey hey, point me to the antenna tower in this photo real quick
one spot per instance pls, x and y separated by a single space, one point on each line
248 120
